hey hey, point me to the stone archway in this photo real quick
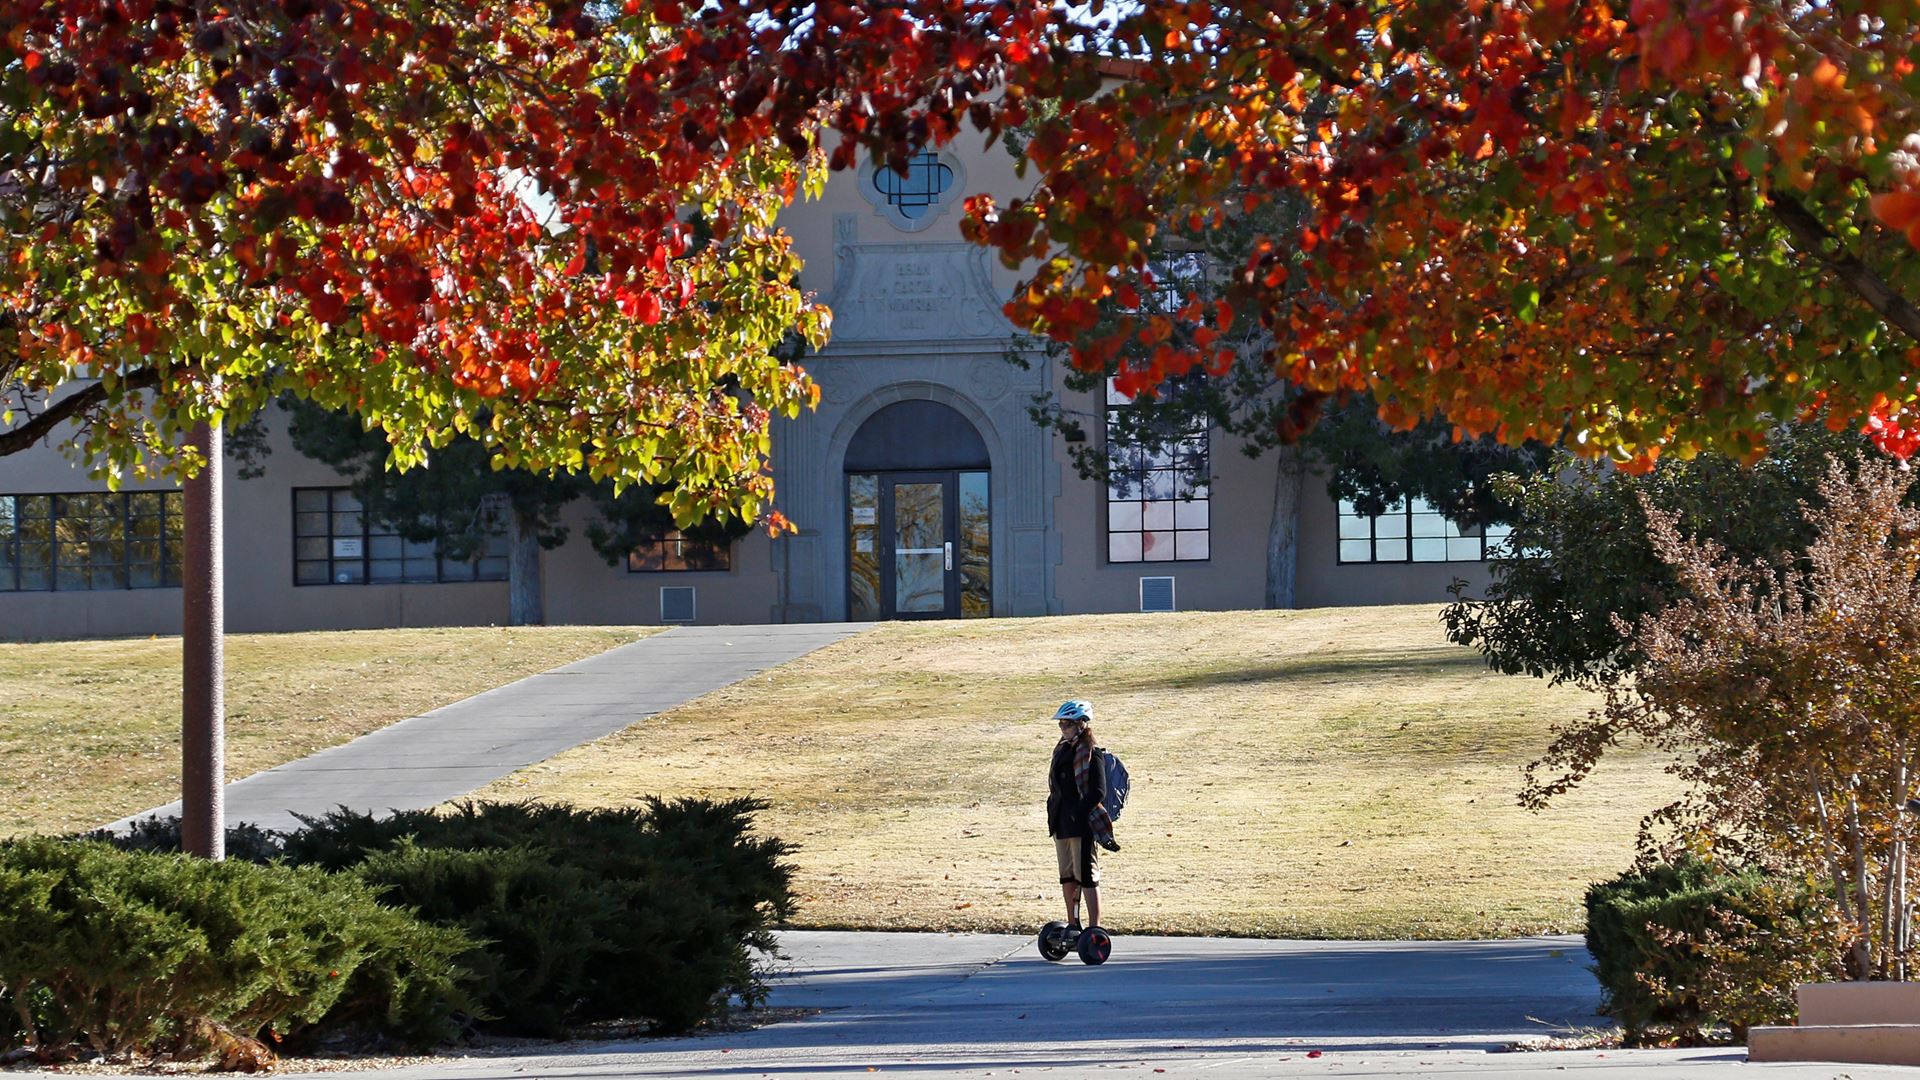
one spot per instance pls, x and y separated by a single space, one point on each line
918 531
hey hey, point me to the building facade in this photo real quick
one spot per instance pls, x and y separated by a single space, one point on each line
921 486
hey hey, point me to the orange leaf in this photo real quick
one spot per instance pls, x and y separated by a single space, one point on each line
1897 208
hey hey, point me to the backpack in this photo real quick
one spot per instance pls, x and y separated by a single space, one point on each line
1118 785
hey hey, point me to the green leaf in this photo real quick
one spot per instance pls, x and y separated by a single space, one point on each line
1526 301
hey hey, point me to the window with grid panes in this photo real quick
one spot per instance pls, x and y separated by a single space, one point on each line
914 194
89 540
672 550
336 543
1414 531
1158 502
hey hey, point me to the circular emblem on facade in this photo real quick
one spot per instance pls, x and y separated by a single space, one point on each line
990 379
833 387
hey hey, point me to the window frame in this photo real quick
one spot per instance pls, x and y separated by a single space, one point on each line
1185 494
367 536
166 567
885 206
1448 536
673 534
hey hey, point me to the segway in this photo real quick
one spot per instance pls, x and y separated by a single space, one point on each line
1057 939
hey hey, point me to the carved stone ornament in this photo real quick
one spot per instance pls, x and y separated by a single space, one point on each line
990 379
927 293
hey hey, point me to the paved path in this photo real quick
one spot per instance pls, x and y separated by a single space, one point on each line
428 759
936 1005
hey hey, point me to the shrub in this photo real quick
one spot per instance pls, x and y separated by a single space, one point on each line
245 841
122 951
542 925
411 987
1780 936
589 914
1681 945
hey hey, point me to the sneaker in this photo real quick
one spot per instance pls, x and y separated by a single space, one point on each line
1108 842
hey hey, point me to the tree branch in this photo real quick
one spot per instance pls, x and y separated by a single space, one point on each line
1814 238
14 440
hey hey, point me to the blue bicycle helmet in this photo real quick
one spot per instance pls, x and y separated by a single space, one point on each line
1077 710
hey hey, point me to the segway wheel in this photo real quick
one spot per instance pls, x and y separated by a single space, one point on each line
1095 946
1053 941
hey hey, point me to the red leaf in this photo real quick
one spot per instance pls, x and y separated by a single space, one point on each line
327 307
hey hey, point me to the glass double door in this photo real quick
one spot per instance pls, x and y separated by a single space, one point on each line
918 546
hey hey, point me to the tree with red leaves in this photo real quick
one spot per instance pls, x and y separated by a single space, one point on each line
429 213
547 225
1668 225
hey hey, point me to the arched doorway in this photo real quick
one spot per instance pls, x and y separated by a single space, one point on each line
919 537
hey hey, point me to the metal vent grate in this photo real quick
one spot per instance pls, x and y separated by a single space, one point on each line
1156 594
676 603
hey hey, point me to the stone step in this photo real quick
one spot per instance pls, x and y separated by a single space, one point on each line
1855 1044
1858 1003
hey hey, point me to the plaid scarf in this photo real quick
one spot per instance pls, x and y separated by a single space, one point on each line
1097 818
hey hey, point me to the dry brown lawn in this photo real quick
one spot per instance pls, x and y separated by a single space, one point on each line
90 730
1331 773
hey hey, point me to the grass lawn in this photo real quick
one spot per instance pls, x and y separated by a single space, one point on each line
1328 773
90 730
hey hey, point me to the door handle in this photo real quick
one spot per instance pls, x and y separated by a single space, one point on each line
949 550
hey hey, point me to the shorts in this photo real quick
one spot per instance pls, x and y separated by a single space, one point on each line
1079 860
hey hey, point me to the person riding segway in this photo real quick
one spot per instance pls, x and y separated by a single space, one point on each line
1079 787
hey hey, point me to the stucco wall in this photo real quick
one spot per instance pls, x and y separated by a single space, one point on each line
1241 504
1324 582
1241 514
812 222
582 588
261 595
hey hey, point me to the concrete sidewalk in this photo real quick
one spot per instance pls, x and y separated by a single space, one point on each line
458 748
941 1005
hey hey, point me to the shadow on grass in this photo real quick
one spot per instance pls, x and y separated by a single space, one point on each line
1336 668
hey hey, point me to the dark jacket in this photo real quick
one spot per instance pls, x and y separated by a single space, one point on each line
1066 810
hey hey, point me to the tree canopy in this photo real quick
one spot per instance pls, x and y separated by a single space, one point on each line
425 212
1663 225
1582 574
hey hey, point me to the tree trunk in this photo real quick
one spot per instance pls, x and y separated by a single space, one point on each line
1283 531
1900 937
1857 963
203 826
526 601
1863 888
